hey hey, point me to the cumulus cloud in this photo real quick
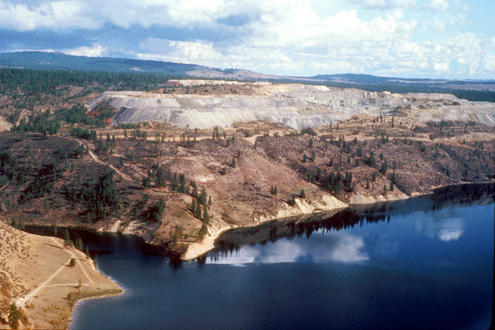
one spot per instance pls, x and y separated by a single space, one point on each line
96 50
49 15
293 37
195 52
438 5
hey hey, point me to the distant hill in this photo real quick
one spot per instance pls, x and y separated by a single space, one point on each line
59 61
473 90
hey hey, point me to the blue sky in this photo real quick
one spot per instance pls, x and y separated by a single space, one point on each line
401 38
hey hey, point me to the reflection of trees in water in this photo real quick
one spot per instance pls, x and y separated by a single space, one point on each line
461 194
444 197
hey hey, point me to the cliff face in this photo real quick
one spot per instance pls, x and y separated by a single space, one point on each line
294 105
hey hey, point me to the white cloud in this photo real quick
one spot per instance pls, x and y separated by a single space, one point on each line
195 52
384 4
51 15
294 37
95 50
438 5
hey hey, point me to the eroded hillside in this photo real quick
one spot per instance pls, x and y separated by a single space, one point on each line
179 188
298 106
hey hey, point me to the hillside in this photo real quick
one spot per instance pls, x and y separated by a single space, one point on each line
295 105
473 90
59 61
36 278
180 187
223 154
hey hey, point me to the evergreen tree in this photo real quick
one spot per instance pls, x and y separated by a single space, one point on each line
194 193
202 231
79 244
206 217
67 240
203 197
384 167
197 212
146 182
14 316
302 194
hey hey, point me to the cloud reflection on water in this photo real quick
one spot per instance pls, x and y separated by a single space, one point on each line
446 227
330 247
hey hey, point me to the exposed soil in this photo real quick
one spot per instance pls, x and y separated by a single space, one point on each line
35 273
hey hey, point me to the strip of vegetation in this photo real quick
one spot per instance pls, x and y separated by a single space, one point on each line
101 197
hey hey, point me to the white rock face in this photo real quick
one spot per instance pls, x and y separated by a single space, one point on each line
295 105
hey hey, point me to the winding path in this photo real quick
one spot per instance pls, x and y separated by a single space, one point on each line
96 159
21 301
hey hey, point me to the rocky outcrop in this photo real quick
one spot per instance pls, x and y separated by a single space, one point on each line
4 125
295 105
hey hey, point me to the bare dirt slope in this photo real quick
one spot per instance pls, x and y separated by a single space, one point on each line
295 105
251 173
36 276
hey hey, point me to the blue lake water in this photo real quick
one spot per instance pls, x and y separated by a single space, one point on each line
416 264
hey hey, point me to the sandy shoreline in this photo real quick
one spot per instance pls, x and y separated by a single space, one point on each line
94 297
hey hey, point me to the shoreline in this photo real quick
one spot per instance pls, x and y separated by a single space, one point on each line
208 242
105 295
205 247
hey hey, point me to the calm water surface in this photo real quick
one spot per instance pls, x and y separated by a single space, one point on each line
416 264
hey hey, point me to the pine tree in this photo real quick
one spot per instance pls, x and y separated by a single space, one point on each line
197 212
202 231
79 244
67 240
14 316
203 197
206 217
302 194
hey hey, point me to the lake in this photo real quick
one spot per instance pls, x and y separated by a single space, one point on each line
424 263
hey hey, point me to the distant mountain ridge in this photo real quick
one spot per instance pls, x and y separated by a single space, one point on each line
473 90
60 61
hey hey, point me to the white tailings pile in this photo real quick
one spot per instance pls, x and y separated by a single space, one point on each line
295 105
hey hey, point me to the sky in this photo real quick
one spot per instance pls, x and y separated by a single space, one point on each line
398 38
